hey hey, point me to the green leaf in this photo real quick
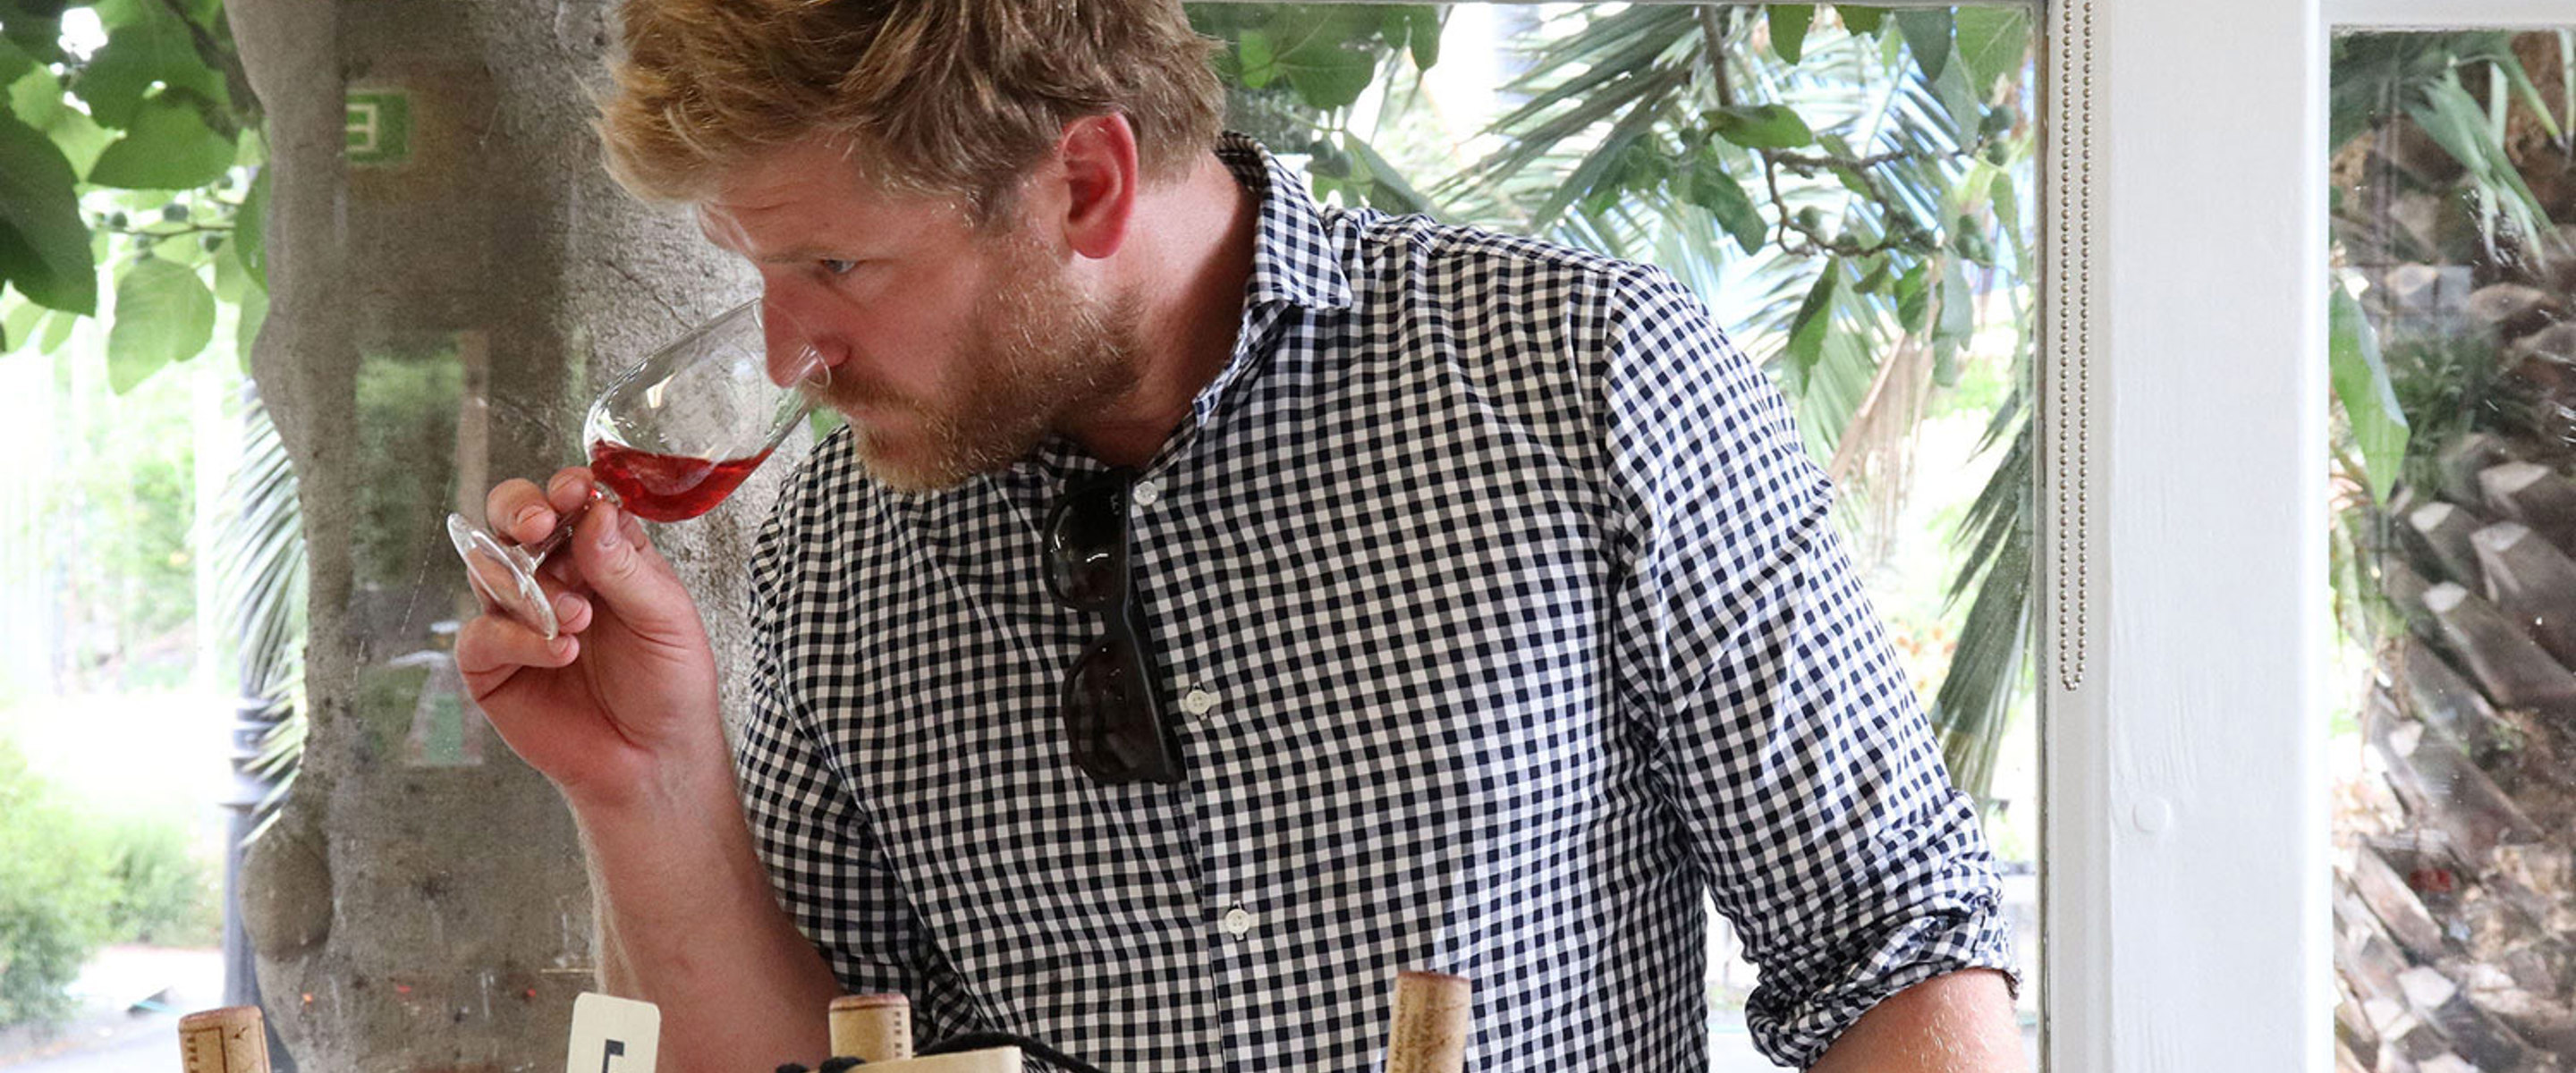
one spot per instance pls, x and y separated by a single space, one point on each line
44 244
1807 329
18 327
1958 302
1711 188
2362 386
231 279
1387 188
1328 70
14 60
163 315
250 229
1861 20
1259 64
167 147
1993 41
1789 24
252 314
57 330
156 47
1914 297
1424 39
1927 36
1761 126
1880 275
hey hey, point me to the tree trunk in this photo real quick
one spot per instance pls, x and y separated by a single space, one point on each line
446 258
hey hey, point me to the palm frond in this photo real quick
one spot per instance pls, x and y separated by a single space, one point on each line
260 544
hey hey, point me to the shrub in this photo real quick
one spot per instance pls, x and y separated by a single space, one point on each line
54 892
163 895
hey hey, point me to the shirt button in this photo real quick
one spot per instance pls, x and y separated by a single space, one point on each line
1238 922
1198 702
1145 493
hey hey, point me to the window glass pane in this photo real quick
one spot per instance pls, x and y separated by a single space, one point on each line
1852 192
2454 378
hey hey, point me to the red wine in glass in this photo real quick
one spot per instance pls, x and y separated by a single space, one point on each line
668 488
669 440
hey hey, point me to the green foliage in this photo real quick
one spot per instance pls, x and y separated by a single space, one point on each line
148 134
1789 24
163 894
44 249
71 879
260 544
407 405
2361 386
1293 72
53 886
164 314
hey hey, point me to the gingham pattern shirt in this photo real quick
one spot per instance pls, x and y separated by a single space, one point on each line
1506 628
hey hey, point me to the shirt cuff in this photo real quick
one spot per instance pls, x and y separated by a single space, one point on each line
1795 1030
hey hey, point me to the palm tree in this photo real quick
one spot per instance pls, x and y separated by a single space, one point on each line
2455 192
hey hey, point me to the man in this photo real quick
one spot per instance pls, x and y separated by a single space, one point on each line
1221 603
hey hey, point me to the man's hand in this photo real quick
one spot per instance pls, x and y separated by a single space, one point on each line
628 691
1959 1023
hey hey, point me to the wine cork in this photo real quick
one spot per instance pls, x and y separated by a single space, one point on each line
872 1028
228 1040
1429 1033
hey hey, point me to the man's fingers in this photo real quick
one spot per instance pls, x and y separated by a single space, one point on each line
492 648
569 488
517 512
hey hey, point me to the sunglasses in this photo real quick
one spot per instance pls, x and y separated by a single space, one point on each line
1113 717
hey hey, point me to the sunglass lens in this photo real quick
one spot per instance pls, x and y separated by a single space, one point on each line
1086 549
1109 718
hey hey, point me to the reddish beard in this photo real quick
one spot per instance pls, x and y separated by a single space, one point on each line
1037 349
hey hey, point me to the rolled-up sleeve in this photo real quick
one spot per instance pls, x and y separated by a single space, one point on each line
1788 743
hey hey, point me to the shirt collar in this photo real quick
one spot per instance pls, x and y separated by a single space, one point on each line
1295 266
1293 258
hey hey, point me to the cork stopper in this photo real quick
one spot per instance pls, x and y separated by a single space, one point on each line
1429 1032
872 1028
228 1040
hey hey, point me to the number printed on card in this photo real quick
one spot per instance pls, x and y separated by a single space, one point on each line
613 1035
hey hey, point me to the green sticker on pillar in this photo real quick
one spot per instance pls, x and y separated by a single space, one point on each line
379 127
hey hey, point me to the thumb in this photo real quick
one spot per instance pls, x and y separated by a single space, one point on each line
626 576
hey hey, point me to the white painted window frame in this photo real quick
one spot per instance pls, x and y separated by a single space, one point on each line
2186 838
2184 848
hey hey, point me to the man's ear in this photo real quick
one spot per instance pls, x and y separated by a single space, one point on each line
1098 157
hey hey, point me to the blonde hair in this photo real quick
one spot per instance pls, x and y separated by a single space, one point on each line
951 98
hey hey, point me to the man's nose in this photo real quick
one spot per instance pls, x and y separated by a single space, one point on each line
796 347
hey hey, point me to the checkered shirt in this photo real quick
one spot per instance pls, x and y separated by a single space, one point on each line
1506 630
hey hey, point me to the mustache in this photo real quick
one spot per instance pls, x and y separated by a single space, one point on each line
851 389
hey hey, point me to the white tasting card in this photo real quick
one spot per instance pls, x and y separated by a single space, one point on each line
613 1035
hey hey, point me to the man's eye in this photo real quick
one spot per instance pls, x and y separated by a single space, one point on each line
837 268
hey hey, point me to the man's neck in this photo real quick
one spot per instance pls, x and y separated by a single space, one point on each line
1193 250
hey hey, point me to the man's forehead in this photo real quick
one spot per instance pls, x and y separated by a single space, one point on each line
801 194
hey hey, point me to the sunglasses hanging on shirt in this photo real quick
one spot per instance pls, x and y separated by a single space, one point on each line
1113 715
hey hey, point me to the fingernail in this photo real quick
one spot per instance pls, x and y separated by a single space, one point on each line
525 516
565 605
608 534
560 645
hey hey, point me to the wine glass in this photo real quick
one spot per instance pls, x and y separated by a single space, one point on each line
668 440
